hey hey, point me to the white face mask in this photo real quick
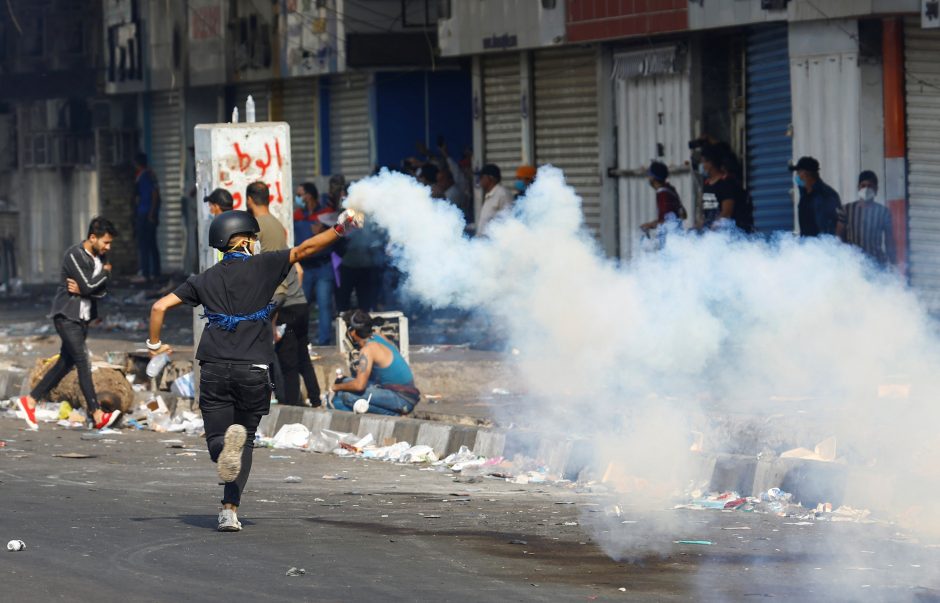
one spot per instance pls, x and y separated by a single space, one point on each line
866 193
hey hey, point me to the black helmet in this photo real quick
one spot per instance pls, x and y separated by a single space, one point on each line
228 224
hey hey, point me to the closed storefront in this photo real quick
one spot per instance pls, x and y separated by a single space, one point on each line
566 122
652 105
300 109
502 111
825 84
769 147
350 141
922 48
167 155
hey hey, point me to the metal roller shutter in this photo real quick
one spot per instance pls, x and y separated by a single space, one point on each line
654 122
769 145
502 122
350 126
167 153
922 72
260 93
566 119
300 110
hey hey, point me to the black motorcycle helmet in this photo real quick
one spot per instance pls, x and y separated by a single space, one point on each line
228 224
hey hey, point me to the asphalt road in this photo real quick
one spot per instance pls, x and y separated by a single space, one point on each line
136 522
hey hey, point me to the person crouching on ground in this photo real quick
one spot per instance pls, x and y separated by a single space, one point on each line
383 378
236 344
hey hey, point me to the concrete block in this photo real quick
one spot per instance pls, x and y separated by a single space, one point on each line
316 419
406 430
814 482
379 426
521 443
347 422
288 415
269 420
489 443
462 435
580 457
13 382
769 473
553 452
435 435
733 472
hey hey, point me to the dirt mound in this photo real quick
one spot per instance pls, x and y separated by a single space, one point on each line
114 391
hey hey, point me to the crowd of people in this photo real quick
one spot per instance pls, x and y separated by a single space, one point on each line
726 204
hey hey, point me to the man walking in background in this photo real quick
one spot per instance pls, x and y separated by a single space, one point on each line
146 218
495 196
84 280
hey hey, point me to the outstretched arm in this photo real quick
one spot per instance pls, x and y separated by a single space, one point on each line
347 221
157 312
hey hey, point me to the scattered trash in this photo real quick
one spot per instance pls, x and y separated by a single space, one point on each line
74 455
418 454
279 456
500 391
335 477
699 542
16 545
570 523
293 479
518 542
183 386
92 435
294 571
292 435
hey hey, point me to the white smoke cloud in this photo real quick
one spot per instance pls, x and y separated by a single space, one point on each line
634 357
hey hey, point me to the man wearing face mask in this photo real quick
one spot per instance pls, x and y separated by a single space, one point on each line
819 207
237 342
867 224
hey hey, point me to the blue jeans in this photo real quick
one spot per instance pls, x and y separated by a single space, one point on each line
383 402
321 278
147 251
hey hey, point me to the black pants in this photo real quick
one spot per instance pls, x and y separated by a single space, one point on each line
72 354
365 281
230 394
293 356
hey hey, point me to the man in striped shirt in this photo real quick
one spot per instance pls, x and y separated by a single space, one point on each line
867 224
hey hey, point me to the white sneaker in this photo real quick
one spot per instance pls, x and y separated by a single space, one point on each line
228 521
230 459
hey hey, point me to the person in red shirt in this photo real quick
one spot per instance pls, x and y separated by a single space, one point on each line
667 199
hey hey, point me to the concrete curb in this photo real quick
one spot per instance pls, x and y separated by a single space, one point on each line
810 482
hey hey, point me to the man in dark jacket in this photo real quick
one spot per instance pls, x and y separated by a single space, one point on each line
820 206
85 275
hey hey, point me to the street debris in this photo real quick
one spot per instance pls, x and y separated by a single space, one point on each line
293 479
294 571
696 542
74 455
774 501
16 545
518 542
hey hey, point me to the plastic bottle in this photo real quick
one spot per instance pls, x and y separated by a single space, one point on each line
156 364
235 115
339 374
250 110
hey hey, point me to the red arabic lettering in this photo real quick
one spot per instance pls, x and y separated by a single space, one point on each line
236 200
277 149
244 159
263 165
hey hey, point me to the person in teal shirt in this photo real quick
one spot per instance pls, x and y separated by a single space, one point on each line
383 378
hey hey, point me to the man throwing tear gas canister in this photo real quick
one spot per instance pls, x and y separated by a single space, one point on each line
236 344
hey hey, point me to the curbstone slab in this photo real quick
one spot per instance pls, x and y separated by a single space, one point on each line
733 472
344 421
380 427
288 415
406 430
268 421
435 436
462 435
489 443
316 419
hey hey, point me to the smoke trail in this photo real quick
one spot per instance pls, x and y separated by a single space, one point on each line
635 357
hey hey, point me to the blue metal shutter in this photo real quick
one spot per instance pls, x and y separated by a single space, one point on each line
769 146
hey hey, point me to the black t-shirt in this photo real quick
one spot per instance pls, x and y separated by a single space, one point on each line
237 287
726 188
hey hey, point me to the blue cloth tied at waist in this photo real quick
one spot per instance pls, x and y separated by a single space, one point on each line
229 322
